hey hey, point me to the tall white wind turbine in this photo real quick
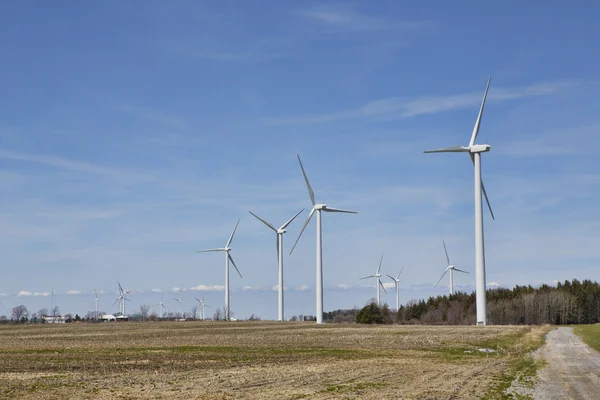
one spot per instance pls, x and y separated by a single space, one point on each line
378 284
397 285
450 268
95 304
202 305
121 299
279 233
317 207
228 258
179 301
161 305
475 151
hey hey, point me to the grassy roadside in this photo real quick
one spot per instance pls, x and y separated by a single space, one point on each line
522 367
590 334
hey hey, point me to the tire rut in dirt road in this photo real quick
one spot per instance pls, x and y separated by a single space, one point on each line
572 370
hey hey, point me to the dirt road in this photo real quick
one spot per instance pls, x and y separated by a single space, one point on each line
573 369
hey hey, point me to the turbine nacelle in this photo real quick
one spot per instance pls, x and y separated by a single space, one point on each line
320 207
479 148
281 231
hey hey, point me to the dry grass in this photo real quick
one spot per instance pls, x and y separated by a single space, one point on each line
255 360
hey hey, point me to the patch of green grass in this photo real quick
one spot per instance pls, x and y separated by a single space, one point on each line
590 334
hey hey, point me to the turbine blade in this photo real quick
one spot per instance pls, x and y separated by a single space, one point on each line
460 270
263 221
487 200
120 288
312 211
446 251
402 269
232 233
125 298
310 191
116 301
383 287
478 122
328 209
370 276
380 261
291 219
235 266
205 251
391 277
438 282
484 192
198 299
163 306
452 149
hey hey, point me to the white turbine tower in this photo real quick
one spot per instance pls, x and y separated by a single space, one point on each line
228 258
179 301
121 299
95 304
279 233
475 151
397 284
202 305
378 284
450 268
318 208
161 305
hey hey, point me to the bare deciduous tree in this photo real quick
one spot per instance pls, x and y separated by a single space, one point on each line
19 312
144 309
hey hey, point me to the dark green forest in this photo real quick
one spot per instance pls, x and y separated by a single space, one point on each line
569 302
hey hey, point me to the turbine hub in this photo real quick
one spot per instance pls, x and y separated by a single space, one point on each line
281 231
320 206
479 148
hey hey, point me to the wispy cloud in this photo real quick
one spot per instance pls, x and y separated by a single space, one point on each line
396 107
74 292
208 288
154 116
55 161
346 19
24 293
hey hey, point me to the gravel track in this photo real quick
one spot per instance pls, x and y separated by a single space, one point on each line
572 370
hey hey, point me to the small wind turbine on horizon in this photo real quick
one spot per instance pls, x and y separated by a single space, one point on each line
121 299
475 151
161 305
228 258
397 285
378 284
279 233
450 268
317 207
179 301
202 305
95 304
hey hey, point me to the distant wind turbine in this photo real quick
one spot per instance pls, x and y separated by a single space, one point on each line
397 284
450 268
121 299
475 151
95 304
161 305
279 233
228 258
179 301
318 207
202 305
378 284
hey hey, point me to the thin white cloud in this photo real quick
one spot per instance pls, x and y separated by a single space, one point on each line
156 290
55 161
345 19
74 292
208 288
259 288
493 285
302 288
24 293
396 107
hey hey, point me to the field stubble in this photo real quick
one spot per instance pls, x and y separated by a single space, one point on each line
258 360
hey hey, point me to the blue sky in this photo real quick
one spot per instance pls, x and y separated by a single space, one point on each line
132 134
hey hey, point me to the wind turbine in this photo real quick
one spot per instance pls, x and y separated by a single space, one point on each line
202 305
95 303
450 268
397 284
378 277
228 258
318 208
161 304
121 299
179 301
475 151
279 233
